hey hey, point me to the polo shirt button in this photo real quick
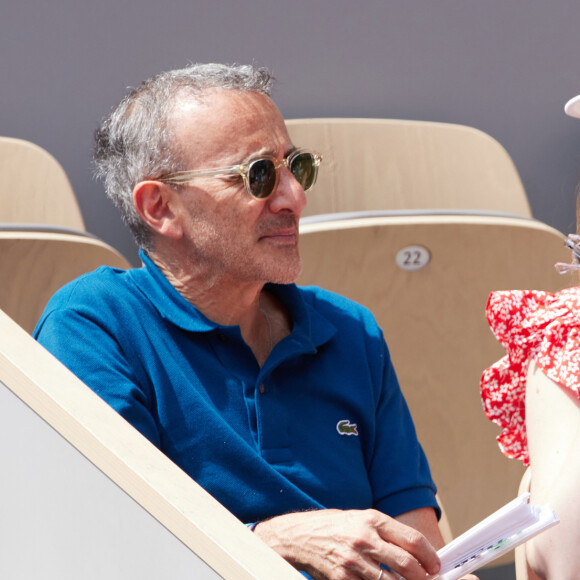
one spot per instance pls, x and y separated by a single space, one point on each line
222 337
262 388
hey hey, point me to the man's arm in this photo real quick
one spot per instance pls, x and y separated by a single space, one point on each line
425 521
94 355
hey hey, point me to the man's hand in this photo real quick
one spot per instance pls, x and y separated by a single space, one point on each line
424 520
350 545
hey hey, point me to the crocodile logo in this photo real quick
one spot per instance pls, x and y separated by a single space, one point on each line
345 427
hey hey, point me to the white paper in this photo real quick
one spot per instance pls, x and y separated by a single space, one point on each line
502 531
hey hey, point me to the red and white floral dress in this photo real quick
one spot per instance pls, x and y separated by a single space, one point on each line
530 325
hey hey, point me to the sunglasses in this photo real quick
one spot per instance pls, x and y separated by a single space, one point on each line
261 174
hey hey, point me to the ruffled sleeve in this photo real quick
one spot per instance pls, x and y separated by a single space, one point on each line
529 324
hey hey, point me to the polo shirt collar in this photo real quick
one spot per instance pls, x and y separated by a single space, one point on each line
166 299
310 329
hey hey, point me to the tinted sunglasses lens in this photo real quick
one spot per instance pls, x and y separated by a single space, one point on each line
262 178
303 168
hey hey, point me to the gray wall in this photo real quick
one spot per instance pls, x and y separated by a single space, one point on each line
504 66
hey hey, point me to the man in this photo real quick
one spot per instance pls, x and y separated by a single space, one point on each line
281 402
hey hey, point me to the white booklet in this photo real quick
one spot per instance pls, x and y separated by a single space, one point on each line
502 531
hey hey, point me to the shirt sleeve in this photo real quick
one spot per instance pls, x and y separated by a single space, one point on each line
399 471
88 348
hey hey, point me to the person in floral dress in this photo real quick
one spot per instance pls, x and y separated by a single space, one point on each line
533 394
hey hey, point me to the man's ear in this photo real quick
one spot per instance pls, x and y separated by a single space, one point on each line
154 202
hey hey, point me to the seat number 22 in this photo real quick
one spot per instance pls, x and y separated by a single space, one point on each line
413 258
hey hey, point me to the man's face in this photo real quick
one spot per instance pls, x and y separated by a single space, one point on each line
228 233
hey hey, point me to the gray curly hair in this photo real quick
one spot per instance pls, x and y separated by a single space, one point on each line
135 142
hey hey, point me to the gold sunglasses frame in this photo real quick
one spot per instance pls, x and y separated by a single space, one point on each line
243 169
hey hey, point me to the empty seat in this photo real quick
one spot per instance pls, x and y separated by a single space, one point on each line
34 264
34 188
389 164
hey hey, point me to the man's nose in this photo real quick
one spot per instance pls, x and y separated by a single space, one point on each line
289 194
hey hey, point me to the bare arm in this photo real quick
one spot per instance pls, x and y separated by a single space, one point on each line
553 425
424 520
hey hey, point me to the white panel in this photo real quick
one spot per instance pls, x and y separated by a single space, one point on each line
61 518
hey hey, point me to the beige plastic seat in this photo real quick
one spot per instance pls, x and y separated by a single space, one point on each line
444 525
34 264
34 188
434 322
388 164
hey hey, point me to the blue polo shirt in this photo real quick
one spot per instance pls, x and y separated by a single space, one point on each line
322 424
